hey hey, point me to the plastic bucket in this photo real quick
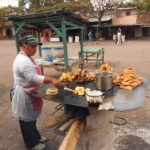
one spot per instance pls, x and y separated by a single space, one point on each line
76 39
123 38
59 52
46 52
70 39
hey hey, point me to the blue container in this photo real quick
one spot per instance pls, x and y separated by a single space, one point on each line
46 48
46 52
50 59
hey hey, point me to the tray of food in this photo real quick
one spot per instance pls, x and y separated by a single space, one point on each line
83 91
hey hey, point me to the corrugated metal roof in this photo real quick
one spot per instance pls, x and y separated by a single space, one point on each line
50 13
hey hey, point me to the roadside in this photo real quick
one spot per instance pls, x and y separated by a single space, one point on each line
132 136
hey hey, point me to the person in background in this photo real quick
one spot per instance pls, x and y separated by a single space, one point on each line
90 36
119 39
25 106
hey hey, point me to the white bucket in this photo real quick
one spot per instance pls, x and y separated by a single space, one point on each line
46 52
54 39
70 39
76 39
114 37
123 38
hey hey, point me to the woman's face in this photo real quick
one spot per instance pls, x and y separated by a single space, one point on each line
30 50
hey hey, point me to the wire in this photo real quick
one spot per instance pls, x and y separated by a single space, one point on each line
57 108
117 123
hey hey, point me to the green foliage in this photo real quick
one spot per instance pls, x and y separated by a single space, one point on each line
79 6
143 5
6 11
22 5
74 7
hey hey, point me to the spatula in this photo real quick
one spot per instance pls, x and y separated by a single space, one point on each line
68 89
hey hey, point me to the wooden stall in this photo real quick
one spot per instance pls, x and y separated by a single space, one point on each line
58 20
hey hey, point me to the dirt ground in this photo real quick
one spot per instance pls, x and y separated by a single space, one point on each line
135 135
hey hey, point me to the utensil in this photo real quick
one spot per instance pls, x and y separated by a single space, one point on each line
104 81
68 89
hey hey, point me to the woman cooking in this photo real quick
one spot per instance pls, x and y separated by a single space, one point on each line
25 107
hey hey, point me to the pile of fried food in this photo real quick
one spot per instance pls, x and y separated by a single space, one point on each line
67 77
79 76
81 90
103 68
128 79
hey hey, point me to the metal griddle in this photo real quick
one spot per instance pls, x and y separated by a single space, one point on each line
128 100
122 100
65 97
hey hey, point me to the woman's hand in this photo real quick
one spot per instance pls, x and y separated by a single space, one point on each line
54 81
57 83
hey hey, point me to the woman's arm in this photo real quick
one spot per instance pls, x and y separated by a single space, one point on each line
54 81
31 76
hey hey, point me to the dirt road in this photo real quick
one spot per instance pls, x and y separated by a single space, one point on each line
135 135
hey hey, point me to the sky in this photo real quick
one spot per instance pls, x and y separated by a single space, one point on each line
4 3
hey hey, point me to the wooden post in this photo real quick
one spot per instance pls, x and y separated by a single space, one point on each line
81 46
81 43
64 37
72 137
39 40
16 39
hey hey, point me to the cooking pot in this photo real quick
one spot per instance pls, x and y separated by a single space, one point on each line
94 96
104 81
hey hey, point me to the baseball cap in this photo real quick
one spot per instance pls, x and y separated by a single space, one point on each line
29 40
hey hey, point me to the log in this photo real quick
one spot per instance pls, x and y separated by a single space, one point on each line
72 137
58 119
67 124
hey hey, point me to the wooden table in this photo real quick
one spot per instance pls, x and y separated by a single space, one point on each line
59 66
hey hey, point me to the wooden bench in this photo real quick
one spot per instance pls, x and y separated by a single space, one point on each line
93 52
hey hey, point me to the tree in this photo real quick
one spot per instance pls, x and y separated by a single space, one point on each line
103 7
22 5
6 11
142 5
82 6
